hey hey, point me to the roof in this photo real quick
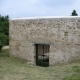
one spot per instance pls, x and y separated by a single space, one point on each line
46 17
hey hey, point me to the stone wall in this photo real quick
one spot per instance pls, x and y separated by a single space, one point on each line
63 35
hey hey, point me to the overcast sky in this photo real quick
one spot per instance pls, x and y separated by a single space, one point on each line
35 8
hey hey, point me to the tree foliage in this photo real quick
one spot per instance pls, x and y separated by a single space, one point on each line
74 13
4 30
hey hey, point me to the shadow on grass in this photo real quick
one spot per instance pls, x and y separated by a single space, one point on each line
4 53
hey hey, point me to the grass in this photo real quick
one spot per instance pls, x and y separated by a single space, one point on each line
18 69
4 53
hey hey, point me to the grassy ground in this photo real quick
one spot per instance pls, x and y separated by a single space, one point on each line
17 69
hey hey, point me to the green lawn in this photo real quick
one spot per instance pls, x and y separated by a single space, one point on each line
18 69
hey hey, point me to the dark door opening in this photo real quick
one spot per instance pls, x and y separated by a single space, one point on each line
42 55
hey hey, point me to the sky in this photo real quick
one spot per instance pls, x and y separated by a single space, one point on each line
37 8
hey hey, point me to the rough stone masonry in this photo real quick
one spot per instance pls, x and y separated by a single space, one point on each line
61 33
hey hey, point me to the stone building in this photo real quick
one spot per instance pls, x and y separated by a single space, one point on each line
45 40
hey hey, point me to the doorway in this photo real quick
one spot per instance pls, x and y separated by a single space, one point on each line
42 55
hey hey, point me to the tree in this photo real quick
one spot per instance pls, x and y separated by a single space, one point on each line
74 13
4 30
3 40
